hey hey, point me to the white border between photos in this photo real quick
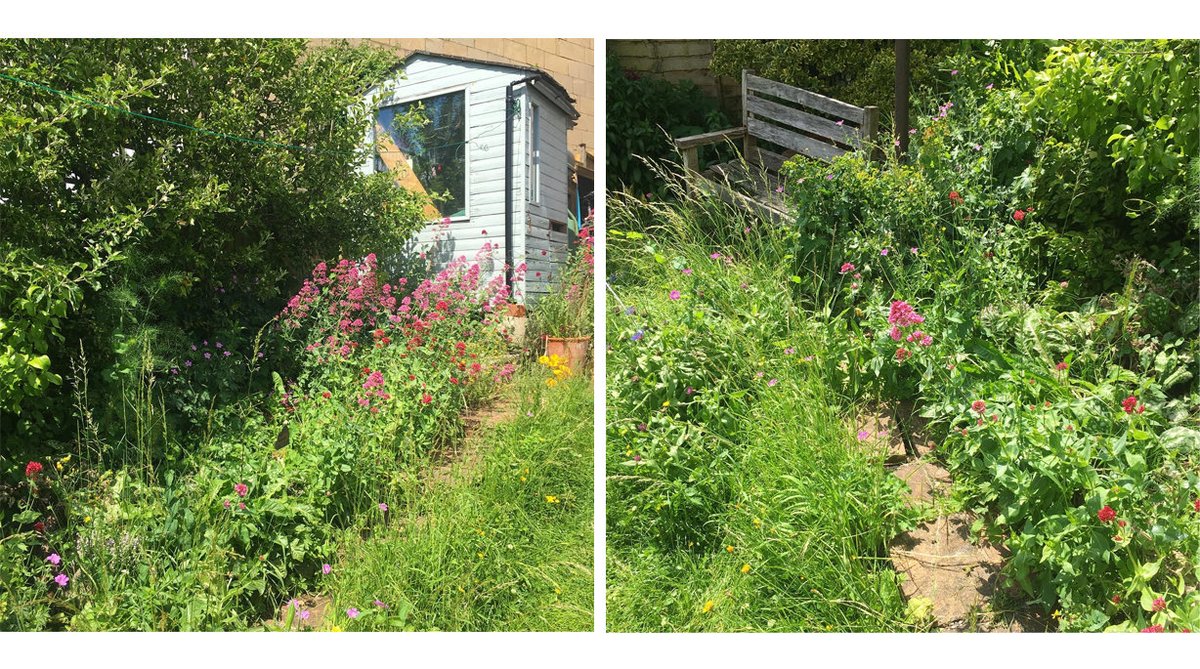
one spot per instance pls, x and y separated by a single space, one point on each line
599 20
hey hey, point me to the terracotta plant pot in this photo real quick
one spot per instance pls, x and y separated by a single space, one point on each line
572 349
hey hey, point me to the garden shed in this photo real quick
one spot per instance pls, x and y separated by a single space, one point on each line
491 143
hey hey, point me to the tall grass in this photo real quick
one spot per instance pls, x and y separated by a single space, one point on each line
721 392
499 541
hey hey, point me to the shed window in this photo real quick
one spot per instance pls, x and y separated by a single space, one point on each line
425 142
535 153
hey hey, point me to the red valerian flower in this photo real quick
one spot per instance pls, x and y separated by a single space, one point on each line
1106 514
1159 604
426 398
846 268
955 198
1196 505
1129 404
1116 599
1018 215
326 394
902 354
1062 366
33 469
39 526
241 489
1153 629
979 406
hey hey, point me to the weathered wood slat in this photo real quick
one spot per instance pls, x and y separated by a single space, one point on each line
709 138
770 160
792 140
842 110
798 118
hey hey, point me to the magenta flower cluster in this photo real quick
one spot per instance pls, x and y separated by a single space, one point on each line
904 319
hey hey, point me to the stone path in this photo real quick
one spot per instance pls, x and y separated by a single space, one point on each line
944 570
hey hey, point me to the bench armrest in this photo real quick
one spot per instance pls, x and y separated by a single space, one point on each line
694 141
689 146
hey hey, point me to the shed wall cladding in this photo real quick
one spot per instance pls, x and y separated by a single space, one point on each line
426 76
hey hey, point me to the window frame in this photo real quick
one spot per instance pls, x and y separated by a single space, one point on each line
396 100
534 178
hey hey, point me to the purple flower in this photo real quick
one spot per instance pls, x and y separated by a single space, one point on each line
779 189
207 355
326 569
175 371
675 295
220 345
193 347
829 177
304 615
690 390
863 435
715 256
746 230
687 271
227 354
789 350
637 336
912 131
759 375
883 252
978 147
260 354
62 580
205 342
988 87
187 363
54 559
772 382
380 604
637 458
913 250
841 121
953 72
629 311
352 612
383 506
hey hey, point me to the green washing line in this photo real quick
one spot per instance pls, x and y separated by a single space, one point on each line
185 126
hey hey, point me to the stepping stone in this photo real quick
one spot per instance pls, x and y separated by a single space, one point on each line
925 480
882 433
942 565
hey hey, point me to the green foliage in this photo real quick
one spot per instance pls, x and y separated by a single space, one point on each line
644 114
567 310
502 542
200 233
861 72
732 476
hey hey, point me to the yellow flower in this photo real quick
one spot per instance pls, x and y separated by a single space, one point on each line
667 403
708 606
746 569
551 499
729 549
523 479
757 522
87 519
543 360
335 628
480 555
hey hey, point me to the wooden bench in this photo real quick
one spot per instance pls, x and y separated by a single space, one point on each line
788 121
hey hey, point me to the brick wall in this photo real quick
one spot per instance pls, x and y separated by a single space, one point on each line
569 61
678 59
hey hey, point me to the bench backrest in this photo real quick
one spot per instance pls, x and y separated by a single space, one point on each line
800 121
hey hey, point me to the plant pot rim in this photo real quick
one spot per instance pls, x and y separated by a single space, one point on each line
548 338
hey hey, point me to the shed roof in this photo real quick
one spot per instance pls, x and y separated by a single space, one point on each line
552 89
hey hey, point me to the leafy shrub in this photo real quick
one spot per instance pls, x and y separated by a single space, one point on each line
644 114
183 233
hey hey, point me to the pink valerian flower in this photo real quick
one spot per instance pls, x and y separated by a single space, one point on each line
1152 629
687 271
675 295
846 268
902 354
772 382
1062 367
979 406
902 314
1130 405
351 613
383 506
1106 514
62 580
863 435
715 256
241 489
883 251
1159 604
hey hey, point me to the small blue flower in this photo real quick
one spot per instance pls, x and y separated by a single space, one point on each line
637 335
629 311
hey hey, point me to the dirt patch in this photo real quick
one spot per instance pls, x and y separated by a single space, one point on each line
925 480
466 452
883 429
942 565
